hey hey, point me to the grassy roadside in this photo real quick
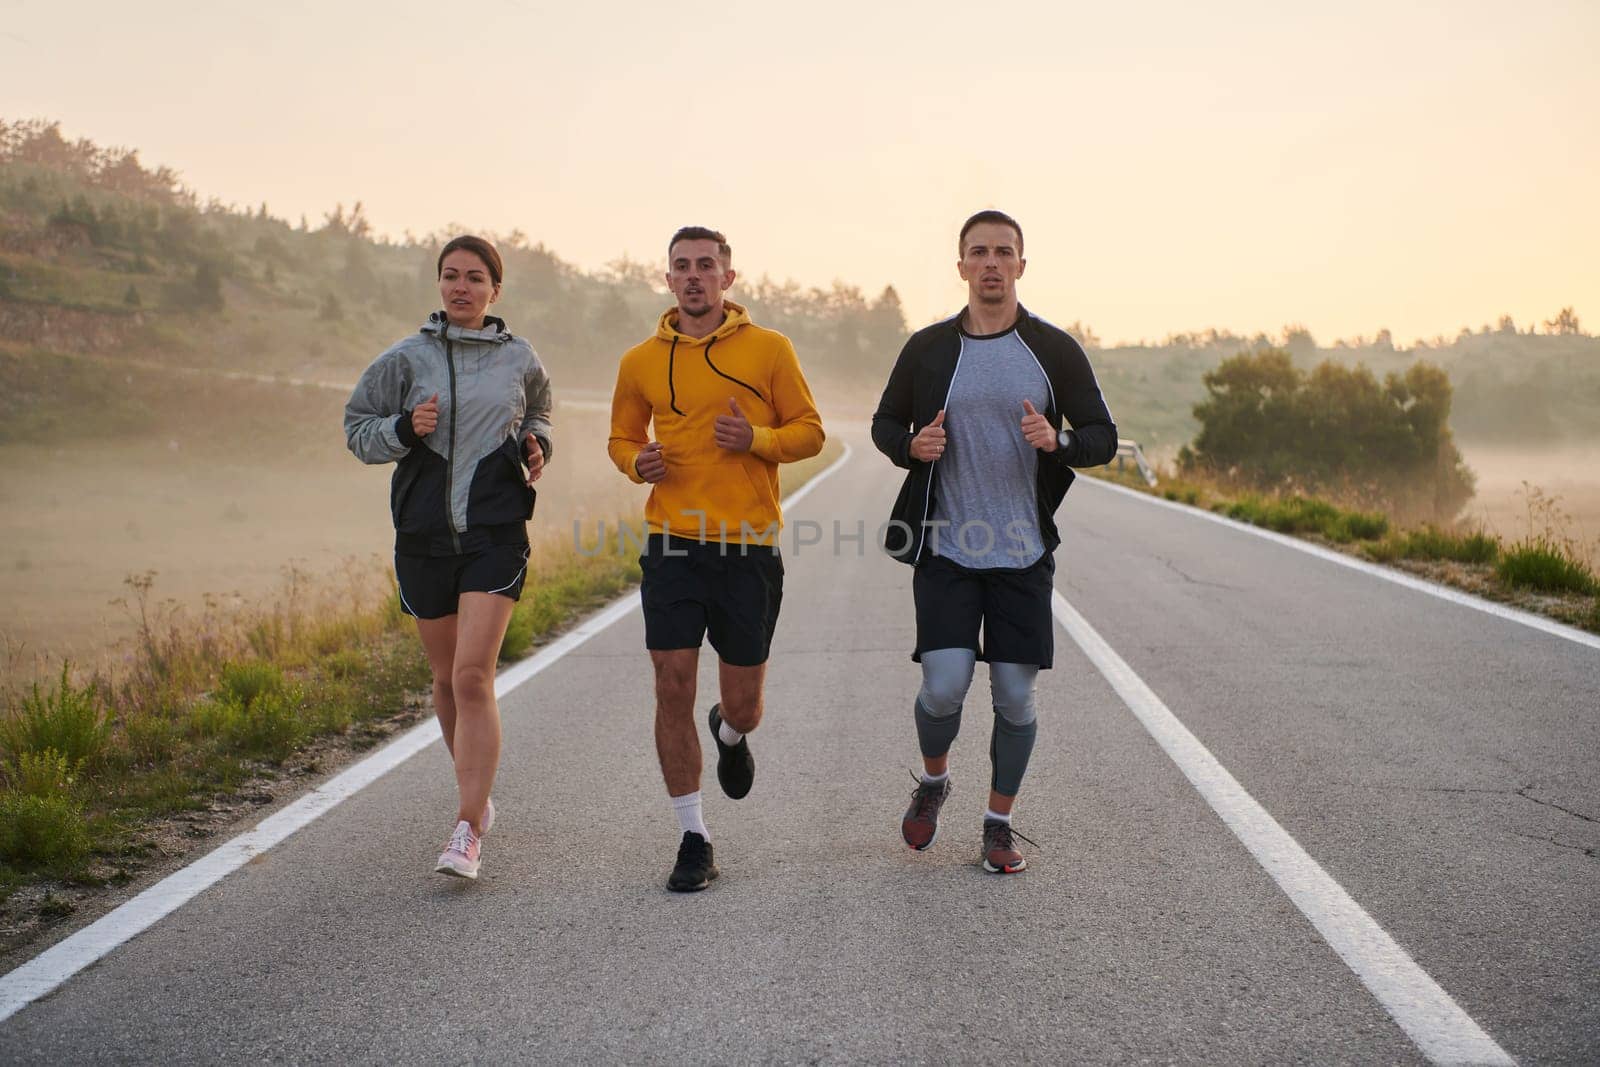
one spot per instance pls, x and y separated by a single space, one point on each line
209 717
1544 571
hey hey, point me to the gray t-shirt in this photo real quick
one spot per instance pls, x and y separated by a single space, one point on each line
985 486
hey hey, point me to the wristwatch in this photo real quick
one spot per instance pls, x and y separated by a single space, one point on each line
1064 439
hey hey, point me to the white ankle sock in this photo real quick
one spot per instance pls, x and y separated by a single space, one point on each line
691 817
935 779
728 734
990 813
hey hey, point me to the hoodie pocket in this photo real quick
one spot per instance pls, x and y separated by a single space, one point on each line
709 500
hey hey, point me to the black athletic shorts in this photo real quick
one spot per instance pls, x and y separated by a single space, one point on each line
431 586
730 592
1012 608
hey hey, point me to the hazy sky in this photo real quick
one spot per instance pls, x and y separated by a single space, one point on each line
1416 166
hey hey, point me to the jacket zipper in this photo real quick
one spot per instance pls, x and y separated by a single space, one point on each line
450 457
927 494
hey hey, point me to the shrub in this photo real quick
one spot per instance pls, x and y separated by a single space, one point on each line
1540 564
1429 542
1266 424
344 664
150 736
268 727
519 632
247 682
1298 514
41 831
1366 525
1384 551
68 718
41 774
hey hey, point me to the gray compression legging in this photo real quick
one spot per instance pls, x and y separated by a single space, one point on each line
946 677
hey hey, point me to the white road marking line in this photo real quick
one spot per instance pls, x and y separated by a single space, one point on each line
1443 592
61 961
1428 1014
800 493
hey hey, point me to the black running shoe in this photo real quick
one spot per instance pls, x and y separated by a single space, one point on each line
920 825
694 869
736 768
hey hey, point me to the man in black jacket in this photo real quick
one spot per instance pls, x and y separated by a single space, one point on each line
973 410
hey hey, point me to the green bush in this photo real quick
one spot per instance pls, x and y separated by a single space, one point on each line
344 664
1541 565
268 727
1386 551
41 831
41 774
247 682
1267 424
1431 543
1366 525
151 737
68 718
1298 514
519 632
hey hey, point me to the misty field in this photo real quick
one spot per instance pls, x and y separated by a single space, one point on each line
1567 477
76 521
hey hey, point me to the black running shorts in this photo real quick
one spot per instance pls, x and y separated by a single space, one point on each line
1011 608
693 589
431 586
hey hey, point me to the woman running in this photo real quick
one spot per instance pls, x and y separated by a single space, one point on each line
463 408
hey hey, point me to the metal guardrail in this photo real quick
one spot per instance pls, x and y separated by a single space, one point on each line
1129 449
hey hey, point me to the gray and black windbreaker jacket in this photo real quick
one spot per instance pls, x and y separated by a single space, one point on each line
463 487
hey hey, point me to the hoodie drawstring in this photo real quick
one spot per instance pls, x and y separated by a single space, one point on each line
672 392
730 377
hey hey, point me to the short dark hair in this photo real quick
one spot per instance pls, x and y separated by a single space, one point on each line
990 215
478 247
702 233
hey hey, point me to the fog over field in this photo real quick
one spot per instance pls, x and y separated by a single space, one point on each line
1510 479
77 520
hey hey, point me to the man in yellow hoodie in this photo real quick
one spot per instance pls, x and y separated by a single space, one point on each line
729 404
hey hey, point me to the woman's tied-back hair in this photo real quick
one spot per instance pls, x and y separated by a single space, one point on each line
478 247
703 233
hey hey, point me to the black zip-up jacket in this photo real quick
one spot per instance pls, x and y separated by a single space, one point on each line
919 387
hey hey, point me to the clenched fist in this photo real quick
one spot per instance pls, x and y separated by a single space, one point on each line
928 445
734 431
535 453
1037 431
425 416
650 463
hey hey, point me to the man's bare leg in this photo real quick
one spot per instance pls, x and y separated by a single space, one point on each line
677 741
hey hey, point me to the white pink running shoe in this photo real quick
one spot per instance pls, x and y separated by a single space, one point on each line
460 857
488 816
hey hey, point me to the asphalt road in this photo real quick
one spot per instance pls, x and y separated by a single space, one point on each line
1441 764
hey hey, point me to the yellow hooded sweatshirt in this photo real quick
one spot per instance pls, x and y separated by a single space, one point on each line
684 383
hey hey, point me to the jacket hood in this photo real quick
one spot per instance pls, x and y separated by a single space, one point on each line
667 325
494 330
